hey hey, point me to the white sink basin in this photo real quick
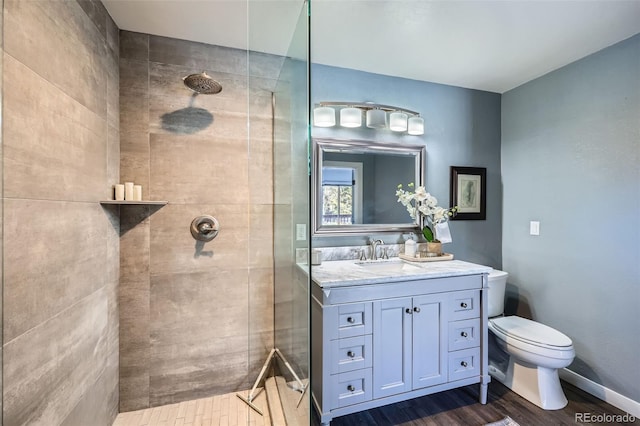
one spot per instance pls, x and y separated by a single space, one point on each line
390 266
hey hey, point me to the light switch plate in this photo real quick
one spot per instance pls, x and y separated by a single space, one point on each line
301 231
534 227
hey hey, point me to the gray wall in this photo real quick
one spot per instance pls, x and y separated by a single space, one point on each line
61 157
571 156
462 128
196 319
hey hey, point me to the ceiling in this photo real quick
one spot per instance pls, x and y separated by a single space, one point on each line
479 44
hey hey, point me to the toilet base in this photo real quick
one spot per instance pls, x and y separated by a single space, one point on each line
539 385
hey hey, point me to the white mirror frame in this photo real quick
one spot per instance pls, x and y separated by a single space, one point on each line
320 146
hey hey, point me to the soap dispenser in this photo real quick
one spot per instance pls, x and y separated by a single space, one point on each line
410 246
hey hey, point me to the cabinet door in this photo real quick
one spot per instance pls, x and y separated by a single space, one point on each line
429 340
391 346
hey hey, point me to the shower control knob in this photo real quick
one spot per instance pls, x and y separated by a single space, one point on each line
463 363
463 305
350 354
351 320
351 388
204 228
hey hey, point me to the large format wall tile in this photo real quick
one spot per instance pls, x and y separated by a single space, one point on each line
199 341
133 301
198 56
54 148
61 155
134 46
174 250
34 29
55 255
199 170
45 377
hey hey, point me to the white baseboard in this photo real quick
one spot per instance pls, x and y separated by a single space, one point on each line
607 395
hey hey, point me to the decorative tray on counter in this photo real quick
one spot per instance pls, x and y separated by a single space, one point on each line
443 256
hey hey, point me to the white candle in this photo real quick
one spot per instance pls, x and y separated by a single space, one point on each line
137 192
119 192
128 191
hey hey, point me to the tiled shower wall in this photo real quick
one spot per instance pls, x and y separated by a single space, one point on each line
196 318
61 152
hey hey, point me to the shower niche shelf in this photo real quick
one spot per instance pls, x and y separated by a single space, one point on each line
135 203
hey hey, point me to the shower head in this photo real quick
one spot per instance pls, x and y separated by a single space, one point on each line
202 83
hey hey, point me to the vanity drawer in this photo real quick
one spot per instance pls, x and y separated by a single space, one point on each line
464 334
351 388
353 319
464 364
352 353
464 305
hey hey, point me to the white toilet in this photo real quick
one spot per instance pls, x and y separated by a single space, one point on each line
529 353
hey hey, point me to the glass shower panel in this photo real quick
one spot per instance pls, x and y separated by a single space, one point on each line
1 200
280 187
291 222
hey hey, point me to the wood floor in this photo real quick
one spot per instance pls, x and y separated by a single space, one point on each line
461 407
458 407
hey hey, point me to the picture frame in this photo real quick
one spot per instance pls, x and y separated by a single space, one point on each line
468 191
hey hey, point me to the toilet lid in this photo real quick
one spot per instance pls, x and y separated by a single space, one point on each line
531 332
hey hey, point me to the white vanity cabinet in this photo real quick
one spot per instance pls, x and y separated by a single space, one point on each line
410 346
383 342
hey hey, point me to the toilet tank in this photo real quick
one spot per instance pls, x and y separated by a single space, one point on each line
497 286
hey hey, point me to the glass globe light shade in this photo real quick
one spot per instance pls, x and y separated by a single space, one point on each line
376 119
416 126
351 117
324 117
398 121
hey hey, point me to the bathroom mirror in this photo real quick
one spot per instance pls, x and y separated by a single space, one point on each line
354 185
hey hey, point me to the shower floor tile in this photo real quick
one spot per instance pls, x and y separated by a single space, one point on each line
227 410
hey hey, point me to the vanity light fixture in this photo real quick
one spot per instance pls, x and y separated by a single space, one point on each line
377 116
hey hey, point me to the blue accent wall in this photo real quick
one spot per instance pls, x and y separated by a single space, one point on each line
571 160
462 128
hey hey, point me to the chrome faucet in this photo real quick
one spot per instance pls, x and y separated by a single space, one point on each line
374 248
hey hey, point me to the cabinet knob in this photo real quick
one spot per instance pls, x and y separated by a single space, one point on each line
463 305
416 309
464 334
350 354
463 363
351 320
351 388
408 310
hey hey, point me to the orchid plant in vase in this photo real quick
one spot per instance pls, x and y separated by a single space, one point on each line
424 206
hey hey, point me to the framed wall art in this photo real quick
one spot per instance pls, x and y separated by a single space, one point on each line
469 192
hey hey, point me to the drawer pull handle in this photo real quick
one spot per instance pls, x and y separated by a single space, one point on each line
416 309
351 320
408 310
351 354
463 305
351 388
464 334
463 363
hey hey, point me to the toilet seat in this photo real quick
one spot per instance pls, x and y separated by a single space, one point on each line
531 333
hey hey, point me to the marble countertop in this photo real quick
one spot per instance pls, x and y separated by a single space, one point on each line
342 273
